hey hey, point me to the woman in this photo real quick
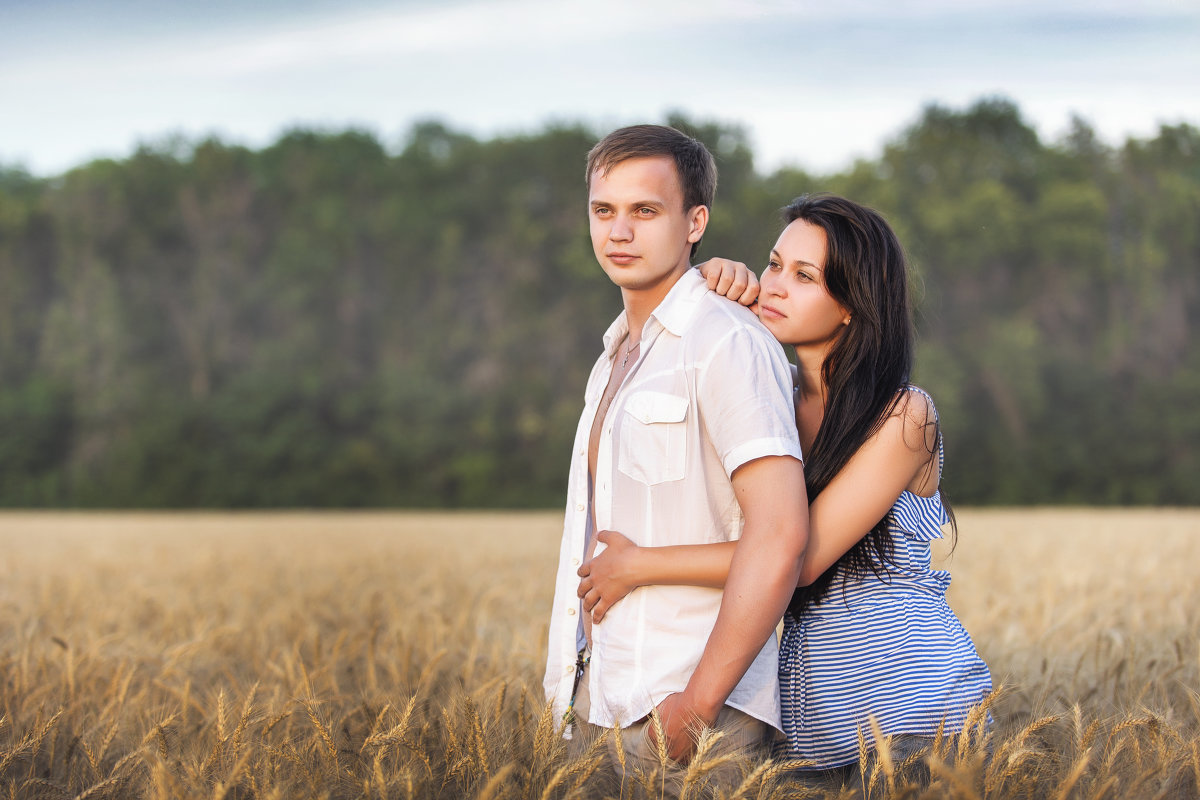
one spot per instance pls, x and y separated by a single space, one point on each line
868 633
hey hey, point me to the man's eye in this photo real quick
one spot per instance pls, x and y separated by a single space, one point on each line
773 266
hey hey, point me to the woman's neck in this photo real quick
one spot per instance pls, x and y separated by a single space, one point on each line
809 380
810 400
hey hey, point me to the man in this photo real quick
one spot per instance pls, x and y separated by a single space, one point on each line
687 436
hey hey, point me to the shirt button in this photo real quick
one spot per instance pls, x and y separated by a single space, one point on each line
574 562
579 506
570 612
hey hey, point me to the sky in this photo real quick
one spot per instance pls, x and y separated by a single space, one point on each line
814 84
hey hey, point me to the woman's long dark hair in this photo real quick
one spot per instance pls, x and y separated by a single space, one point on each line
868 367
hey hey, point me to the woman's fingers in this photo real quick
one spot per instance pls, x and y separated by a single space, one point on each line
743 285
749 295
599 610
731 279
590 599
726 280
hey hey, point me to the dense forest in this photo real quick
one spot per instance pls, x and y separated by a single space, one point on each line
332 321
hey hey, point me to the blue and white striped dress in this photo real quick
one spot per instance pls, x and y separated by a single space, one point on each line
890 649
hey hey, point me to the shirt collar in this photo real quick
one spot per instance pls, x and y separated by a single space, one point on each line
676 310
674 313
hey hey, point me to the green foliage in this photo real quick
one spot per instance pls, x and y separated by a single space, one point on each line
327 323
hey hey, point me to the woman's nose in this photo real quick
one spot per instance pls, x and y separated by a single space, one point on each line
769 285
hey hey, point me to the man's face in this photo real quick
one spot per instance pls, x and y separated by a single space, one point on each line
641 234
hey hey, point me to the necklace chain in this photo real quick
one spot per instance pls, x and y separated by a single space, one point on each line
629 349
612 391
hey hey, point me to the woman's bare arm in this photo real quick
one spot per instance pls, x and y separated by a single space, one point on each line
623 566
898 457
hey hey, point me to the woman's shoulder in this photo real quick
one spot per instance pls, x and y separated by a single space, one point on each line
916 405
914 416
910 433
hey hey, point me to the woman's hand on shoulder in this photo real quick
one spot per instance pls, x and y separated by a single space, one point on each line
609 575
731 279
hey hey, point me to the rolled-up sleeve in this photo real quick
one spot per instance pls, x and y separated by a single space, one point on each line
746 396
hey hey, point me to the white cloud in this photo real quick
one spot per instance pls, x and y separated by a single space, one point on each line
815 84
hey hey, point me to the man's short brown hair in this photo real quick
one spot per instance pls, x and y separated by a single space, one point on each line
695 165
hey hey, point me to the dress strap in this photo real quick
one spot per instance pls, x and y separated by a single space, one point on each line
941 439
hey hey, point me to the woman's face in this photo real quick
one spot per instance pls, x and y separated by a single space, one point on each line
794 303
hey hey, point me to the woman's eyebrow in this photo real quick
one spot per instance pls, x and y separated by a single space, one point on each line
799 261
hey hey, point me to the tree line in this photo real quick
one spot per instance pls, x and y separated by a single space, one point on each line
330 322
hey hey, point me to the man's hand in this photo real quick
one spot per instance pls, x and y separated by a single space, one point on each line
610 575
731 279
681 725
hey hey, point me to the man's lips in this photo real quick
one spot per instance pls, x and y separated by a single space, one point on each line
621 258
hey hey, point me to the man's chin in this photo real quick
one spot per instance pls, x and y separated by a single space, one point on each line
632 279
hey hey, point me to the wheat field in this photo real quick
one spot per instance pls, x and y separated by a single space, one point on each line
398 655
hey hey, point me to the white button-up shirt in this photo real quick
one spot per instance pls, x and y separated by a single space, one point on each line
710 391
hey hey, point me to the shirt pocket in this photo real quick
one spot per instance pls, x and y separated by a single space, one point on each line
653 446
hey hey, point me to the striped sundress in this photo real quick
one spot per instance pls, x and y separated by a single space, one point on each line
891 648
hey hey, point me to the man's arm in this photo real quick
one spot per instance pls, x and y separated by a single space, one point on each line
762 577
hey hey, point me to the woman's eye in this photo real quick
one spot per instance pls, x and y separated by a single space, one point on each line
773 266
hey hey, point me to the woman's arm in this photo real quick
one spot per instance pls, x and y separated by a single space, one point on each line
899 456
623 566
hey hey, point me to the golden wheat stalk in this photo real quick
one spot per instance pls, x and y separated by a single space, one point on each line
32 742
394 734
323 731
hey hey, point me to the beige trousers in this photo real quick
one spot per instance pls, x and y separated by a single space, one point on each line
742 735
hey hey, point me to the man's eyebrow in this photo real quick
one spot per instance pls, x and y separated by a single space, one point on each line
633 202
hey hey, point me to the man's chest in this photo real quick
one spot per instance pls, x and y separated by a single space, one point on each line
644 423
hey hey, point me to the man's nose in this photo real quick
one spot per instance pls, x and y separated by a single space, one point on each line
621 230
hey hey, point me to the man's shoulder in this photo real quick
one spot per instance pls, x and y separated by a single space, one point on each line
718 318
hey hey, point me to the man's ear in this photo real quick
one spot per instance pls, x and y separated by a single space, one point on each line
699 220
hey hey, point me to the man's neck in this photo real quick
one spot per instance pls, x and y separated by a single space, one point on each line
640 303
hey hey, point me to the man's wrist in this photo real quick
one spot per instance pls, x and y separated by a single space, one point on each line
704 705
